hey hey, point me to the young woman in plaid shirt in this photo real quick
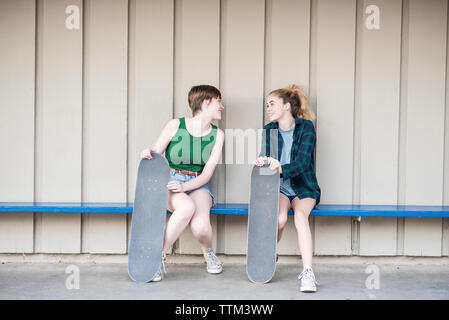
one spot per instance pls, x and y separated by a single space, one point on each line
288 145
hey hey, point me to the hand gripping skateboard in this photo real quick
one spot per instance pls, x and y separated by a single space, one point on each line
148 218
262 224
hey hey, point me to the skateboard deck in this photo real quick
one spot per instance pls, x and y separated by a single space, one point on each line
148 218
262 224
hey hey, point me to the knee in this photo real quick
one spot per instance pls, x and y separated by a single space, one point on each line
200 227
301 217
282 221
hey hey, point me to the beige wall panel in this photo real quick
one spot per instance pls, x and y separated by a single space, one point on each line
150 96
378 236
16 232
17 56
236 235
104 172
58 124
332 236
287 44
378 92
425 97
197 61
445 235
105 119
425 94
104 233
197 49
378 85
289 242
17 120
286 62
445 240
422 236
242 82
333 42
59 233
150 78
42 113
334 23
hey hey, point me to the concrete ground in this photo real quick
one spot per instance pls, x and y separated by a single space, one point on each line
190 281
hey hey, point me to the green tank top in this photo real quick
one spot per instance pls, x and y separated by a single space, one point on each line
186 152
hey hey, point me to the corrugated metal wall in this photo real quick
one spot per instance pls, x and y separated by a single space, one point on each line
78 106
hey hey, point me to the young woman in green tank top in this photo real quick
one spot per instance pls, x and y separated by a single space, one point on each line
192 147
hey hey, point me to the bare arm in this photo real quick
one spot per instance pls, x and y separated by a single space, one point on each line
164 139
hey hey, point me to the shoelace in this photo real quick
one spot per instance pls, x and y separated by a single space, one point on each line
308 274
162 269
212 258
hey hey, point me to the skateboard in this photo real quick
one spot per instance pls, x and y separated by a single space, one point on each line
262 224
148 218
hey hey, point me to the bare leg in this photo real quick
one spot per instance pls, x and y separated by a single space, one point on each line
302 209
200 222
182 208
284 207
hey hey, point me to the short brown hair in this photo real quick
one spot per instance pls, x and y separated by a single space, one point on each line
198 94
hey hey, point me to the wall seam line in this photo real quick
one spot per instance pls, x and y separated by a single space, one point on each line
355 228
127 121
83 74
264 75
309 91
35 120
444 220
402 127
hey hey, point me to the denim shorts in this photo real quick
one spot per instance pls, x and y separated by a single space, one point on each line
181 178
290 198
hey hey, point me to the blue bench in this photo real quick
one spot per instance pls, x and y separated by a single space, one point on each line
361 211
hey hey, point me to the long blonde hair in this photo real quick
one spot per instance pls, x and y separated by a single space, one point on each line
299 103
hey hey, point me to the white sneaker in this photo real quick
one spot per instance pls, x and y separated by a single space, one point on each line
213 264
162 271
308 281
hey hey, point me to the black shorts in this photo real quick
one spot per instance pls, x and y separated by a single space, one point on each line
290 198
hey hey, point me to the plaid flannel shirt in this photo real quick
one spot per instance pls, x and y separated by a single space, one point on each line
301 169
